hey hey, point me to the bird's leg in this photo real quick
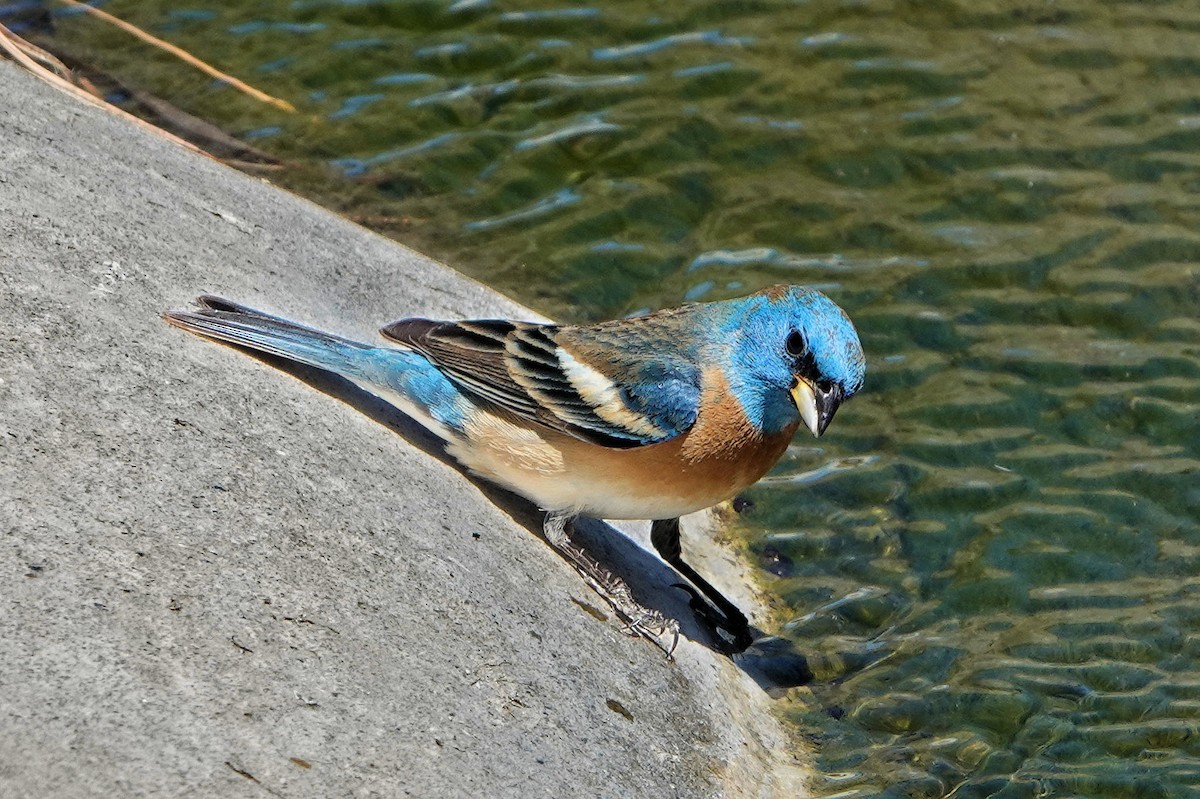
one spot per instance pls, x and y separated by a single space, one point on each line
638 620
664 534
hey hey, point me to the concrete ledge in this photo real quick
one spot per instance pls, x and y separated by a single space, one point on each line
221 582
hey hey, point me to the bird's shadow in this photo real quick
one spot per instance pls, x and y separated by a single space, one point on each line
651 580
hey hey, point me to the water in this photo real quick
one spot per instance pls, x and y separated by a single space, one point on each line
992 559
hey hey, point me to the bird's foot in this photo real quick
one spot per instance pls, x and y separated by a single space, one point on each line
640 621
636 620
729 628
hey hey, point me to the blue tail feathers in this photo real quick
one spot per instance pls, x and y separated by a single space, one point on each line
423 390
236 324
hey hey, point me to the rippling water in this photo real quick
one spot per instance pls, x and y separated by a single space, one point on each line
993 559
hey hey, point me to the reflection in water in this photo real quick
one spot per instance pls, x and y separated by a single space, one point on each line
991 561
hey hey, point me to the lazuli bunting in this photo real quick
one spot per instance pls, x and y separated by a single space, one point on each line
650 417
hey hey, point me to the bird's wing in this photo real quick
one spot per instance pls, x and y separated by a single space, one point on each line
586 382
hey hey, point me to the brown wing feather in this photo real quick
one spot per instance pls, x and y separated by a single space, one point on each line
470 353
513 366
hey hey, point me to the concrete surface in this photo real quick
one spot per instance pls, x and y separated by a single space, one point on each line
218 581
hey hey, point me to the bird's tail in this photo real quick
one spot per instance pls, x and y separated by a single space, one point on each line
402 377
231 323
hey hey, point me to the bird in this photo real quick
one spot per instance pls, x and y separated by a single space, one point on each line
648 417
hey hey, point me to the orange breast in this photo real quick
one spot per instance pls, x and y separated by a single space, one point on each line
722 454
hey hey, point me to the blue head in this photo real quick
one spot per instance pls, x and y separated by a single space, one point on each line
793 354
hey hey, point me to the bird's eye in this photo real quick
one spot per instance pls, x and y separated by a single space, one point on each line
795 344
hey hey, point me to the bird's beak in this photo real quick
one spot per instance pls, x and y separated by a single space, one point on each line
816 407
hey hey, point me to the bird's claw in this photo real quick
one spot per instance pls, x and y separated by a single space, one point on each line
652 626
730 635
